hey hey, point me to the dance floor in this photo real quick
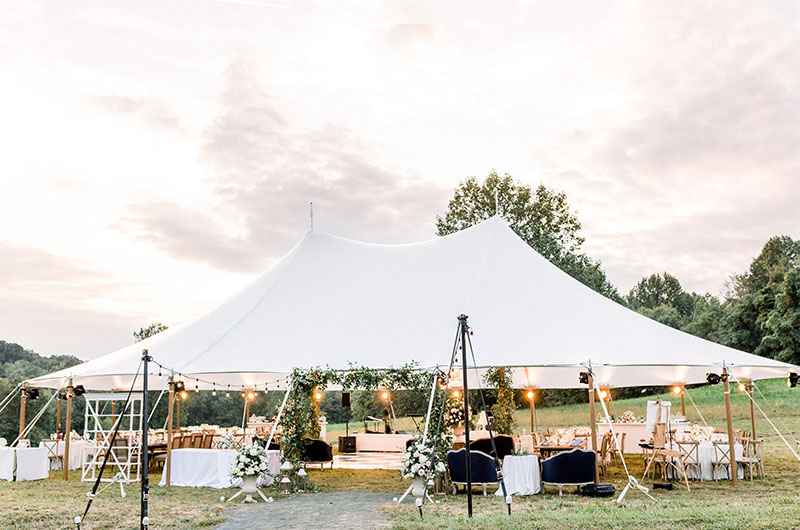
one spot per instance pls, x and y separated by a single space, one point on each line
368 461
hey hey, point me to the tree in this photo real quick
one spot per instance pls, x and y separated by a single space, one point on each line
149 331
706 319
541 217
662 298
783 323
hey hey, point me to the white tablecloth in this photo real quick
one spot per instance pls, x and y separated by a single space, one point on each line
521 475
210 468
57 448
32 464
7 461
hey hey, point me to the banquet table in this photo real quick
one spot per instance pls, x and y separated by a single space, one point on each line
32 464
521 475
55 451
210 468
7 461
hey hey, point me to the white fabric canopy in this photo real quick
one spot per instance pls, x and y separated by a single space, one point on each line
332 301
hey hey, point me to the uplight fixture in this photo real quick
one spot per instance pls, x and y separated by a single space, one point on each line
677 390
530 395
792 380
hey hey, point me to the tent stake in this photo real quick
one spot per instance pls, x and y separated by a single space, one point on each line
729 419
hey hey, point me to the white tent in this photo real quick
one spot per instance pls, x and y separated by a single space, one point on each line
332 301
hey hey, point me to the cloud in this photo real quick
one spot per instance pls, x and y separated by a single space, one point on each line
265 171
701 168
150 111
45 300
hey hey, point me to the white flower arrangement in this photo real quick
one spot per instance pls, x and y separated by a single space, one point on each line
226 441
418 458
454 413
250 460
628 417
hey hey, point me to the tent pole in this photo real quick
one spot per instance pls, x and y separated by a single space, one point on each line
168 462
58 417
752 413
145 485
178 401
23 398
593 425
280 413
729 419
430 405
683 401
67 431
462 321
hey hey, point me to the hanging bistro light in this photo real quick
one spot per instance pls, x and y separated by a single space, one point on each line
251 395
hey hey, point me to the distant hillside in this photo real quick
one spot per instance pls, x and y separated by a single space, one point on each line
17 363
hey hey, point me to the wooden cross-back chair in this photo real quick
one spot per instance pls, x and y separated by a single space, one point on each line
604 458
666 457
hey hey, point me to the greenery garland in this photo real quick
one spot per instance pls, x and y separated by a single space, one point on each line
503 409
301 414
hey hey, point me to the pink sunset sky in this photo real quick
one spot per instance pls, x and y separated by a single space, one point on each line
159 155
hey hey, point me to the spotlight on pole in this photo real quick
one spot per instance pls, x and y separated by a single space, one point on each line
792 380
183 394
713 379
530 395
32 393
583 378
78 390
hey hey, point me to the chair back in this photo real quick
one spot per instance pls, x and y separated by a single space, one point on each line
197 440
177 440
503 442
316 450
722 453
620 447
572 467
481 466
756 449
208 440
605 449
690 452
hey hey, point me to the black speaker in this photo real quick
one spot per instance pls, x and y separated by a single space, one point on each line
345 399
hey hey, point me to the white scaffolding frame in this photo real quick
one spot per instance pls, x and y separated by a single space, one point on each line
124 460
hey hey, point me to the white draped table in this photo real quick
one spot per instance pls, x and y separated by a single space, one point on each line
521 475
24 463
55 451
7 461
210 468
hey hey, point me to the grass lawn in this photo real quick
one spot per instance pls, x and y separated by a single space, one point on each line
770 503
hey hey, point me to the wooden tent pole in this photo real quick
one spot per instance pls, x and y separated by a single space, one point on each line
683 401
179 412
731 441
168 462
67 431
58 417
593 425
23 398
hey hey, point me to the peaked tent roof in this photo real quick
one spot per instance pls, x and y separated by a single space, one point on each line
332 301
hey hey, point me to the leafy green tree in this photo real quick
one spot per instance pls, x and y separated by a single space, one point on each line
783 323
662 298
540 216
706 319
149 331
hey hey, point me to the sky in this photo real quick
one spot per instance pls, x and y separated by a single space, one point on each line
157 156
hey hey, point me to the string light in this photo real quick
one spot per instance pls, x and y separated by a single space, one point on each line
228 392
251 395
196 388
456 393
